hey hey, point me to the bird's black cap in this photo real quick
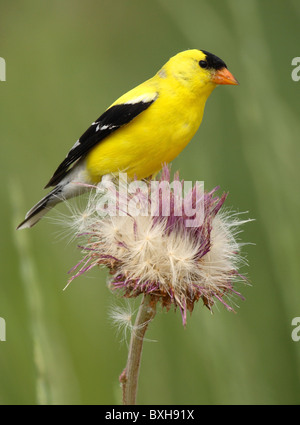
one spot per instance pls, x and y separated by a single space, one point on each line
213 61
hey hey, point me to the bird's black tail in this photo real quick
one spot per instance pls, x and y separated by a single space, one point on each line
41 208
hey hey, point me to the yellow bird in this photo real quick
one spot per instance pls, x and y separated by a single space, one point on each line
146 127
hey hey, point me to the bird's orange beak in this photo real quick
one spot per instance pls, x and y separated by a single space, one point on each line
223 76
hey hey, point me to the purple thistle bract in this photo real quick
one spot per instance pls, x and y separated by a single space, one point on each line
158 254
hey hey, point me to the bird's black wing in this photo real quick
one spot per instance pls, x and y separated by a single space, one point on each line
112 119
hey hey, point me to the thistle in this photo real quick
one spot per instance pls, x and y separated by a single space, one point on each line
153 246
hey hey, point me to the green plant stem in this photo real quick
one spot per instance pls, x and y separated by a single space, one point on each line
129 377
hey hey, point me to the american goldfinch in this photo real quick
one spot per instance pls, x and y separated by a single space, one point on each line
146 127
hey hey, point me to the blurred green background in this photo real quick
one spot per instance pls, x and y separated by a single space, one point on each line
66 62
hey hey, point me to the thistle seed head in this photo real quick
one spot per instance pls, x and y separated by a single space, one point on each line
159 254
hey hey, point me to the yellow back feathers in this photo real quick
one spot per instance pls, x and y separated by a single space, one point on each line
176 96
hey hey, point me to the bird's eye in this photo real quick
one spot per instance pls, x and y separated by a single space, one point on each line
203 64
